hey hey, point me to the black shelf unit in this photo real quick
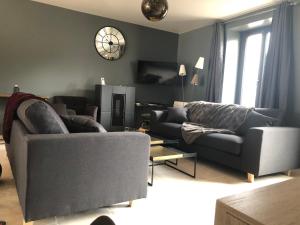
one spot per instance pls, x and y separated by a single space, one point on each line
116 106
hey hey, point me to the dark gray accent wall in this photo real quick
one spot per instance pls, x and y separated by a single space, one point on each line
191 46
50 51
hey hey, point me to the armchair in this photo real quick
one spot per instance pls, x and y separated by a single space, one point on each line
76 106
62 174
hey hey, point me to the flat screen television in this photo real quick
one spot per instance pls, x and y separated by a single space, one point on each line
163 73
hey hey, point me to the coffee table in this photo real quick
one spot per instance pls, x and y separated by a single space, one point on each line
160 141
161 155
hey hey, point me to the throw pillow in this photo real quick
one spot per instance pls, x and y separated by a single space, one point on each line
177 115
255 119
40 118
82 124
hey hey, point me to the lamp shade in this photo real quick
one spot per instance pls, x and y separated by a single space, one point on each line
195 80
200 63
182 71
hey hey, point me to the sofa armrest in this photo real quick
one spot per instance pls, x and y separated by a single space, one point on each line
158 116
96 169
268 150
91 110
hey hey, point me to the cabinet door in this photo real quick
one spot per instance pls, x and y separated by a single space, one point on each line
106 120
129 119
130 99
106 95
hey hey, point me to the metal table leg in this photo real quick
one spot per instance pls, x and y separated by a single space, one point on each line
152 173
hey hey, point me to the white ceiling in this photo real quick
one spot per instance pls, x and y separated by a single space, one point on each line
183 15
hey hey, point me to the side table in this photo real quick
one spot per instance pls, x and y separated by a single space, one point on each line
271 205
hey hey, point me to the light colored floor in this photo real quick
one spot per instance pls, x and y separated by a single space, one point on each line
174 199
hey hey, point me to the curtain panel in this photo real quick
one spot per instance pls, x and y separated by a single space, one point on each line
214 84
279 61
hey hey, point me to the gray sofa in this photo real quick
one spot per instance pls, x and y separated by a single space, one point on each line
61 174
261 151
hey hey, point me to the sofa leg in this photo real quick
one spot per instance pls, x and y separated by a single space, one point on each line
250 177
130 203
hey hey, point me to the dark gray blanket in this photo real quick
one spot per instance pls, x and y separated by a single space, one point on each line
208 117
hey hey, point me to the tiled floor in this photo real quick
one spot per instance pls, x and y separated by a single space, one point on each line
174 199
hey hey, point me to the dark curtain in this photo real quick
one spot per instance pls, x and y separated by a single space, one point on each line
278 67
216 64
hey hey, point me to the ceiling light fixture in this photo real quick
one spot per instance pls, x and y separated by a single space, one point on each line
155 10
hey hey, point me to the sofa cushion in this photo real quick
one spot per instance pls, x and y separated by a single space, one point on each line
40 118
224 142
82 124
168 130
273 113
255 119
176 115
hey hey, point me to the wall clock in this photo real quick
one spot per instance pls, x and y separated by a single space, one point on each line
110 43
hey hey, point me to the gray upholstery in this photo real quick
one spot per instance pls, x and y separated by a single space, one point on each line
228 143
255 119
271 149
169 130
60 109
82 124
71 112
61 174
40 118
262 151
158 116
177 115
275 113
213 155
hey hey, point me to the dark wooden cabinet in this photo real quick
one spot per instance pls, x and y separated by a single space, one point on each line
116 106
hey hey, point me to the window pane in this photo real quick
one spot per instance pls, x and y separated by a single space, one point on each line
230 71
267 43
251 69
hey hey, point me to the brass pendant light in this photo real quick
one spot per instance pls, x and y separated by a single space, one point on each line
155 10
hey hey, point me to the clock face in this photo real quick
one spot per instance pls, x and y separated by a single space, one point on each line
110 43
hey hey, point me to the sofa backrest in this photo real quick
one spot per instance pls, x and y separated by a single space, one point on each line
274 113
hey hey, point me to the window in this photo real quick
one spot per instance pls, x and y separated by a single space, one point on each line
230 71
247 57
